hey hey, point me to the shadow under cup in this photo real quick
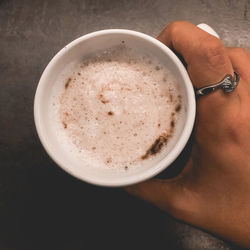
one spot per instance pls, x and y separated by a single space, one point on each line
82 48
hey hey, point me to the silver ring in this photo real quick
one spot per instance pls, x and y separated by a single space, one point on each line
228 84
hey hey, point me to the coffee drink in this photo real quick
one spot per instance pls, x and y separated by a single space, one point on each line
117 109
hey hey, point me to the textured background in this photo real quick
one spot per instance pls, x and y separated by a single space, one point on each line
41 207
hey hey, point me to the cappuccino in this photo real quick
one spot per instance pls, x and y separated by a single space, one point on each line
116 109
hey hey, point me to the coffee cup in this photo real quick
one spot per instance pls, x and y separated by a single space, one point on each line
92 44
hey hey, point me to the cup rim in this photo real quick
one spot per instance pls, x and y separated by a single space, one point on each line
149 173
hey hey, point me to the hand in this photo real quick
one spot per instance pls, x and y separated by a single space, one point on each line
213 190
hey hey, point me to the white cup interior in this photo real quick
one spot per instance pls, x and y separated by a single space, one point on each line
77 51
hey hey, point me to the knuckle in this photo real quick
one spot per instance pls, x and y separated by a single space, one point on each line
214 52
235 126
175 27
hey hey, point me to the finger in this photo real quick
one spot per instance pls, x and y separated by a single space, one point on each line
240 59
205 55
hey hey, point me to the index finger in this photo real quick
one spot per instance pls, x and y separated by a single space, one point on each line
206 57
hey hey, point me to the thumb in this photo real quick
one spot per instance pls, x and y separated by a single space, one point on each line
169 195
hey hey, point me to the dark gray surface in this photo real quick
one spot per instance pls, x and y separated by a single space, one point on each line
41 207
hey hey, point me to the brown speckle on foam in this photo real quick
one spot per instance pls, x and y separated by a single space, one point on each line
64 125
178 107
156 146
172 124
102 99
170 97
108 160
67 83
110 113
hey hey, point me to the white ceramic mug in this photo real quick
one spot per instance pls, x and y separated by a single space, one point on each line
77 50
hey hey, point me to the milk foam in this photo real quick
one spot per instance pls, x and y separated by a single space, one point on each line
116 109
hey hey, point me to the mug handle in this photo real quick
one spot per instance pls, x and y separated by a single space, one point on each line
208 29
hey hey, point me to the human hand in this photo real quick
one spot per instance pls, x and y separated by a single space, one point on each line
213 190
